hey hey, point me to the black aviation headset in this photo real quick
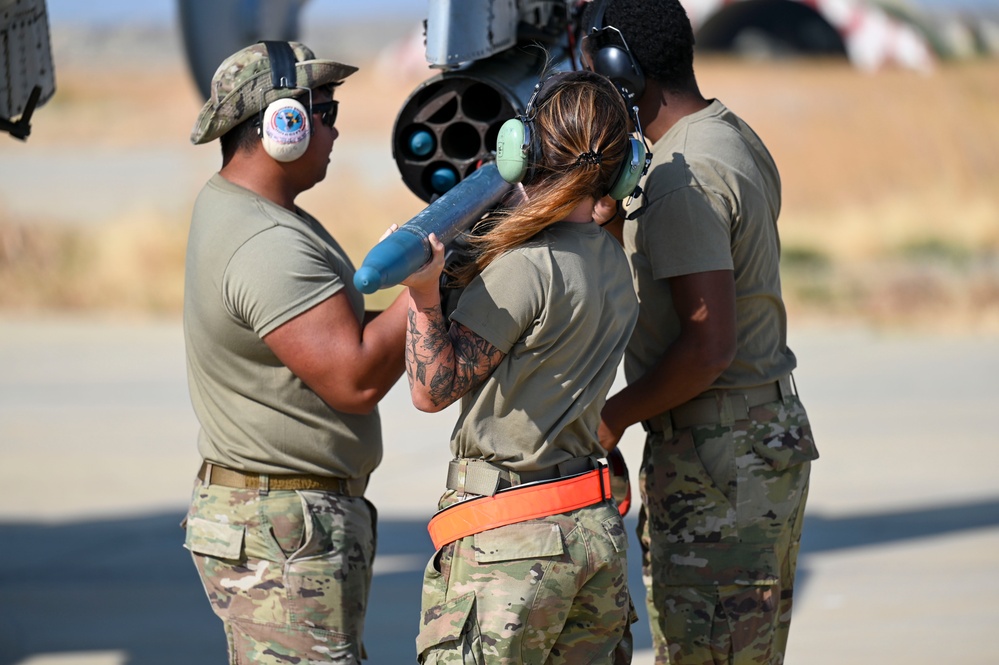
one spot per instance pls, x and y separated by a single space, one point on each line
608 54
517 149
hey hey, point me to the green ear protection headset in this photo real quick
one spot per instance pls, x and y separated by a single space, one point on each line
517 149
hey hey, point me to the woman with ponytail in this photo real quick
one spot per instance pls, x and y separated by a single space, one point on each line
531 549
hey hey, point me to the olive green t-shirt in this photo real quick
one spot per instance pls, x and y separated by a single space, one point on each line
711 201
251 267
561 308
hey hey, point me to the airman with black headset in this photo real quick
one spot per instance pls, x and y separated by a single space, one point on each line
725 470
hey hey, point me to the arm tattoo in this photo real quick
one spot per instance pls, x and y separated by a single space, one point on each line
416 369
447 364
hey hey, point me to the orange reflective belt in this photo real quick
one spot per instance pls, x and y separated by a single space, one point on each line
519 504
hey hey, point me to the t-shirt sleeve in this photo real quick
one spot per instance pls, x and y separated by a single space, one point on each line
275 276
687 231
503 301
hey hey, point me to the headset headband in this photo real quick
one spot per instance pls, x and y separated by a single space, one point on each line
517 152
283 60
609 55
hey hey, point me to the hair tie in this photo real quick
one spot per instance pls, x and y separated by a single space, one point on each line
589 158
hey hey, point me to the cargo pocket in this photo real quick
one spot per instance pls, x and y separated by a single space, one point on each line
215 539
448 630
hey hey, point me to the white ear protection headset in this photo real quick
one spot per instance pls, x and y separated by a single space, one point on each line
285 125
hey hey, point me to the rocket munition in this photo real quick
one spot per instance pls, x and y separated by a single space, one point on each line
402 253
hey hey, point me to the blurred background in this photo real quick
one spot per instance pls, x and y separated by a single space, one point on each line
884 120
887 153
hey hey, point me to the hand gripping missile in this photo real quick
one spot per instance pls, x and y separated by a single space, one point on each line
402 253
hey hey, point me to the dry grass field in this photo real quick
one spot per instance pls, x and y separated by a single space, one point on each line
891 187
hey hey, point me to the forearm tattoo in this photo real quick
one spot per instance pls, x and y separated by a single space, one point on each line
444 364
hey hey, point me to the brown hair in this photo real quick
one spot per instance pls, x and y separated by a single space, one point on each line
580 133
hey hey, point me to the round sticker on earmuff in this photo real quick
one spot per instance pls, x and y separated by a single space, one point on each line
285 130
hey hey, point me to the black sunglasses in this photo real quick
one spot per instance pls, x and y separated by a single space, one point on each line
326 111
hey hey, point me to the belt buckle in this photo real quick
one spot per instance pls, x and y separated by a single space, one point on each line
466 477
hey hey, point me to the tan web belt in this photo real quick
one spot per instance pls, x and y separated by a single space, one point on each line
720 407
212 474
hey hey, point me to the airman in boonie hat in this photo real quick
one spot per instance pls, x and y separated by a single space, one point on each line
241 87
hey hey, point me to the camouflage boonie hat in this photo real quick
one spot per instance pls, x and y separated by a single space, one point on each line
242 87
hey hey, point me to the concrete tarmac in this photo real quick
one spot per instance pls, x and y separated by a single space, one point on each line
899 559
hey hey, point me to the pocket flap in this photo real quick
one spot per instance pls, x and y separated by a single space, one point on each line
795 446
614 528
523 540
217 539
445 623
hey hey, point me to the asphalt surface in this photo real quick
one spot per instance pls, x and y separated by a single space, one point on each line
899 561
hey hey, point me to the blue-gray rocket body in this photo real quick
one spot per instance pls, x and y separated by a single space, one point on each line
402 253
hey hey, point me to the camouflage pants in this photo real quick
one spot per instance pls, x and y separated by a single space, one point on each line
720 525
552 590
288 572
